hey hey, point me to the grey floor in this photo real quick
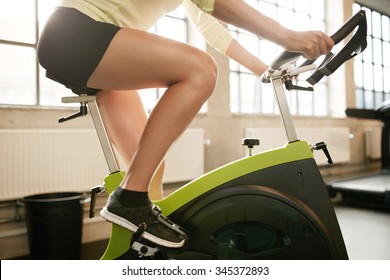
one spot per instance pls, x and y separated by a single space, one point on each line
366 232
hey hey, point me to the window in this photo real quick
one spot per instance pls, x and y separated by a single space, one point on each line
372 68
248 94
23 81
17 42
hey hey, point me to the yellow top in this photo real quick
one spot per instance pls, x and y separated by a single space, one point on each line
142 14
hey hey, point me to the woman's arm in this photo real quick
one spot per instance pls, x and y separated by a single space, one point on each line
238 53
236 12
221 39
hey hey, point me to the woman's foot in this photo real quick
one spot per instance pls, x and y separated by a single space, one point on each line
131 216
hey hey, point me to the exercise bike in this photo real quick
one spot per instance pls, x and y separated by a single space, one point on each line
373 189
270 205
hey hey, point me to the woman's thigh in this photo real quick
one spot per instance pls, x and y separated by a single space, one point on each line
136 59
124 117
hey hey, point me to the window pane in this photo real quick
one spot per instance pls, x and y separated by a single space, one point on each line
305 102
316 24
302 6
267 9
17 21
302 22
317 8
377 48
249 100
378 99
292 98
268 51
250 42
376 25
149 98
378 78
386 81
321 100
367 54
386 53
286 17
371 68
286 3
17 75
368 76
268 102
369 99
368 16
167 24
385 28
359 98
234 93
358 73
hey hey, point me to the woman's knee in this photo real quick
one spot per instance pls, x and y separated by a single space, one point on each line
205 72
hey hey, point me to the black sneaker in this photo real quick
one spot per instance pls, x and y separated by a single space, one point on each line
158 229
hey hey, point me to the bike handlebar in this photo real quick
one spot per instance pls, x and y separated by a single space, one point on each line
331 62
357 20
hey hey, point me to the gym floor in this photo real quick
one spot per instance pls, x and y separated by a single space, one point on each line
366 231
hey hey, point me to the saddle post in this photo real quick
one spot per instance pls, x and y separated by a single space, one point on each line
113 180
105 142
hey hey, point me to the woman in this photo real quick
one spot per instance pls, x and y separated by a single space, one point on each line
102 47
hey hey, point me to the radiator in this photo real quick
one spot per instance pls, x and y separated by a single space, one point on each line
36 161
336 138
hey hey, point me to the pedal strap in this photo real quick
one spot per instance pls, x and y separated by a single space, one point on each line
137 245
137 242
156 211
138 234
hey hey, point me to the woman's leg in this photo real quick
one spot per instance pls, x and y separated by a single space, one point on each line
135 60
125 119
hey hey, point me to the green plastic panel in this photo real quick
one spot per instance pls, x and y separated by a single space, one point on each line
291 152
120 238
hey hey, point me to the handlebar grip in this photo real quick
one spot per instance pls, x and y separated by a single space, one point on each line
337 37
348 27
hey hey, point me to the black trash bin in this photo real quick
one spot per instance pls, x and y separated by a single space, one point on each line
54 225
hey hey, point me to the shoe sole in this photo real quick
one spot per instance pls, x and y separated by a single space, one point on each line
128 225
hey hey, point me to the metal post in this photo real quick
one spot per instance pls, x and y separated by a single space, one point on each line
284 110
100 129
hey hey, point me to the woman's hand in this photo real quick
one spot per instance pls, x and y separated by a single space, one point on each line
311 44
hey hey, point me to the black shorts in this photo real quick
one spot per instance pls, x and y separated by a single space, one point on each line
71 46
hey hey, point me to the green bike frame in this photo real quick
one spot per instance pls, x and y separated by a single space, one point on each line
120 238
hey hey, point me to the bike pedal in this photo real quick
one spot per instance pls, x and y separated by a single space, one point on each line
162 219
94 192
144 250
